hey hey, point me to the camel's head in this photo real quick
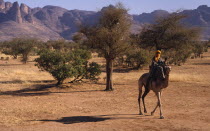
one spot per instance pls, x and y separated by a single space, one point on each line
167 69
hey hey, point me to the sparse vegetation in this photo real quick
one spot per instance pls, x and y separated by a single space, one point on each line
60 45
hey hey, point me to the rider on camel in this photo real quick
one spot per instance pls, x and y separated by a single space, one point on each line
156 61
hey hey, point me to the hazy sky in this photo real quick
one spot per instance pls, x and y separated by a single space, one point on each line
135 6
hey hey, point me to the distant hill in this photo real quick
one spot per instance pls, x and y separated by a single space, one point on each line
52 22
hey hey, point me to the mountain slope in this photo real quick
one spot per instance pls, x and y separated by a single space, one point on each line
52 22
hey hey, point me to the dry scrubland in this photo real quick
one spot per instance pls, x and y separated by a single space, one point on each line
30 101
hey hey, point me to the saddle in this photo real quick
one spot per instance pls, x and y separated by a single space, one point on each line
158 72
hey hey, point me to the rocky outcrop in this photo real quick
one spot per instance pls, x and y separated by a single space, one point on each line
26 13
8 5
24 9
73 19
50 17
2 5
14 13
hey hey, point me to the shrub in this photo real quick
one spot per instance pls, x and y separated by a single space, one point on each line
138 58
180 55
198 49
56 63
93 71
67 65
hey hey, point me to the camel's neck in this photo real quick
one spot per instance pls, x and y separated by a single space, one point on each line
165 83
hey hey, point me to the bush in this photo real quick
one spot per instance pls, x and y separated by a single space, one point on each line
198 49
138 58
56 63
179 55
93 71
67 65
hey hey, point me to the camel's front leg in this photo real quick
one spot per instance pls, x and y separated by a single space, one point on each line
152 113
158 94
160 105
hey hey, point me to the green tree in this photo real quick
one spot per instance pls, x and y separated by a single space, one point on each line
10 48
26 46
20 46
169 34
109 37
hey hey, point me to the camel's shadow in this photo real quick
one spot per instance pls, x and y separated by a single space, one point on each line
78 119
99 118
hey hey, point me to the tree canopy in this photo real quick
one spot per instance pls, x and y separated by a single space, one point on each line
109 37
167 33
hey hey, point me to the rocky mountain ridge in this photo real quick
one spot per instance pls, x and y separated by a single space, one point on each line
53 22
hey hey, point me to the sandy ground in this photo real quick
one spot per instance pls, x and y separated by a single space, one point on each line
30 102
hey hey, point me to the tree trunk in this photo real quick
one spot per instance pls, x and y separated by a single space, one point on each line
25 58
60 82
109 71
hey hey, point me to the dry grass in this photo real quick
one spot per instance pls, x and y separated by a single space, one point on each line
87 99
175 77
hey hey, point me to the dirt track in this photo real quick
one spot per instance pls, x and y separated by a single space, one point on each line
39 106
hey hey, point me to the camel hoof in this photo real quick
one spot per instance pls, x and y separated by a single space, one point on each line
161 117
152 113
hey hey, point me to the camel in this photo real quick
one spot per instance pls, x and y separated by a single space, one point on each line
156 86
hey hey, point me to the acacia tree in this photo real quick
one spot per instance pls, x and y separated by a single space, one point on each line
168 32
25 48
171 35
109 37
19 46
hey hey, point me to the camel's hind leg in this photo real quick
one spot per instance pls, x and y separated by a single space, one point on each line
139 98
